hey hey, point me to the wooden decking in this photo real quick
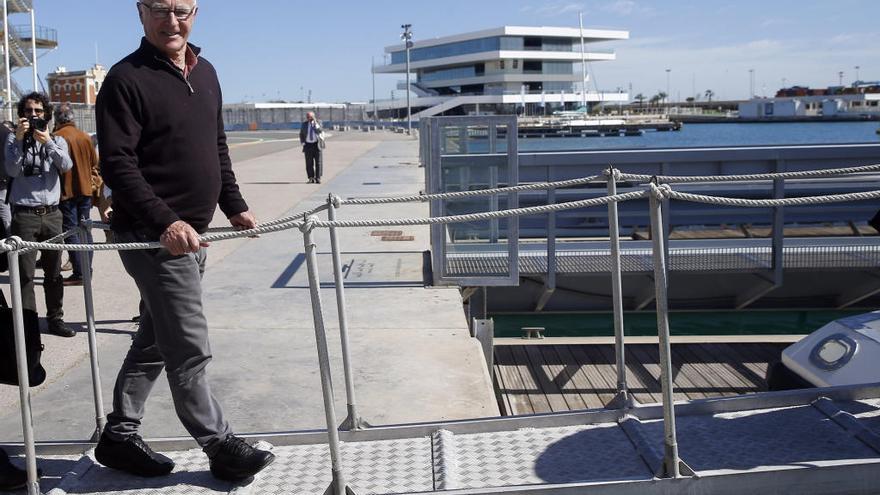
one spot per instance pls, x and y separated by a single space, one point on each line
548 378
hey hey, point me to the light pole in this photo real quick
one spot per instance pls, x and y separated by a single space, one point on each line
373 70
393 107
840 78
667 89
857 73
407 36
6 60
751 83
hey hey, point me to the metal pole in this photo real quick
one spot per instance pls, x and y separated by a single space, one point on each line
6 59
670 454
34 48
583 62
338 486
375 111
27 420
407 36
623 399
85 262
353 421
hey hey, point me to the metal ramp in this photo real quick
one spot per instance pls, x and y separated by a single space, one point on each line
807 441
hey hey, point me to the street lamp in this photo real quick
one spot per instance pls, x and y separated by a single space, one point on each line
751 83
373 70
840 78
667 89
857 73
407 37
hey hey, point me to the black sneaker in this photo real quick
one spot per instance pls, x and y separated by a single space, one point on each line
133 456
11 478
237 460
59 328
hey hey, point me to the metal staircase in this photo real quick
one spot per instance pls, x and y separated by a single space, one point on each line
20 39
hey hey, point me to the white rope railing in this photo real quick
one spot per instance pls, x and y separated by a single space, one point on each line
306 220
805 174
469 194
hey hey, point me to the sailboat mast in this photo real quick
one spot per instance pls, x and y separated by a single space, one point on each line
583 61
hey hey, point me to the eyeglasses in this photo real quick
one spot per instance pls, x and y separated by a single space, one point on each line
35 111
160 12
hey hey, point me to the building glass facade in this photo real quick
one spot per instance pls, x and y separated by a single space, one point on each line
482 45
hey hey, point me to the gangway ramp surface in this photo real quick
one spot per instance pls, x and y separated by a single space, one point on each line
806 441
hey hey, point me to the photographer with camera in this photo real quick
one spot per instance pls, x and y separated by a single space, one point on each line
35 161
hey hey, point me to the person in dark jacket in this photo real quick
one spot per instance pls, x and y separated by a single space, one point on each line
312 141
11 477
163 153
78 185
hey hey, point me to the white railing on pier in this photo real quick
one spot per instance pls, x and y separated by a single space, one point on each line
307 222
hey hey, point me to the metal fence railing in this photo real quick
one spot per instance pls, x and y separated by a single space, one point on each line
659 196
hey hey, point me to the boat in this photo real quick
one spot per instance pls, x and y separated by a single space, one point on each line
843 352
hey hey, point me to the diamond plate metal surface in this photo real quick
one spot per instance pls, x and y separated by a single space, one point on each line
190 477
388 466
760 438
680 259
546 455
866 411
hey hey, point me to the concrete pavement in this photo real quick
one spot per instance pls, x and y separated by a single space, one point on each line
412 355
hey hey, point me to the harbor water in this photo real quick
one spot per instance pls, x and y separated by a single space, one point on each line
695 322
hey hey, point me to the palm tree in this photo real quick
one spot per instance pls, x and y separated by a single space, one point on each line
640 98
709 95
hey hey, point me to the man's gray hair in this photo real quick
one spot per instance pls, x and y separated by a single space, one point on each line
63 113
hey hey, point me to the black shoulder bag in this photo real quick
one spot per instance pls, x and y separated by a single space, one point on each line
33 346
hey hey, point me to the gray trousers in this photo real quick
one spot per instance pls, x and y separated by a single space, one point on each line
173 335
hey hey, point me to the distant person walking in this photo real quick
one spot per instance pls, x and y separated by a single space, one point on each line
35 161
77 185
312 140
163 153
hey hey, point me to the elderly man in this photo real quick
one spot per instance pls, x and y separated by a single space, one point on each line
35 161
164 154
312 143
78 184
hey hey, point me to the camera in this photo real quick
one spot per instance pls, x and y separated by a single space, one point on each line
38 123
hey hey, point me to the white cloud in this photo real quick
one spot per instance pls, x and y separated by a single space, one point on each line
554 9
615 8
620 7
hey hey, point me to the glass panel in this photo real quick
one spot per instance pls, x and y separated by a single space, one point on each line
448 50
475 248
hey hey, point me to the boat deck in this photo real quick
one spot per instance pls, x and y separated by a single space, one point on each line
547 378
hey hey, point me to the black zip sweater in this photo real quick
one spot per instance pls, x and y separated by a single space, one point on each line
162 145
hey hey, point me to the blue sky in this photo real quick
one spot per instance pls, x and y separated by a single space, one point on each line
267 49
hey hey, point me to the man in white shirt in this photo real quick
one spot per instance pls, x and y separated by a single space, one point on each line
311 140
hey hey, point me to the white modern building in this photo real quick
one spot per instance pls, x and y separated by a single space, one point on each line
505 70
865 105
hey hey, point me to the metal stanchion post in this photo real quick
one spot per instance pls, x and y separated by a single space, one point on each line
672 467
353 421
27 425
85 262
623 399
338 485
